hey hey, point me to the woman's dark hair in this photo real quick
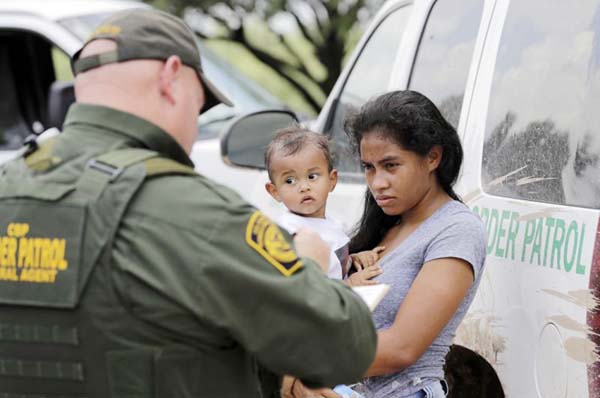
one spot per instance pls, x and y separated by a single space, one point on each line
412 121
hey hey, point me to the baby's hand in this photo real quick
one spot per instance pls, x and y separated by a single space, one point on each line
367 258
364 276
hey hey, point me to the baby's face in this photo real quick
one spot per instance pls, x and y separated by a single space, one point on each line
302 181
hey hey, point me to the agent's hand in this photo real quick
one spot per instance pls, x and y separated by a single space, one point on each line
299 390
367 258
364 276
286 386
309 244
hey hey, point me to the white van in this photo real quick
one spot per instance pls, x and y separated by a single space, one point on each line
521 82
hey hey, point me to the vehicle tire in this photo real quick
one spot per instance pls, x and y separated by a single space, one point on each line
469 375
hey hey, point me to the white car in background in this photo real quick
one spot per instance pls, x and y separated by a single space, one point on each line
36 39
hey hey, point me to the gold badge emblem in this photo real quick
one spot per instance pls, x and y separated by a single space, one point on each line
266 238
110 30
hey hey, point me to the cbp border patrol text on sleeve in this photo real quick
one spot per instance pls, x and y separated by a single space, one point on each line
123 273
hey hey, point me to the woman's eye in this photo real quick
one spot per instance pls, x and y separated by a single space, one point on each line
366 166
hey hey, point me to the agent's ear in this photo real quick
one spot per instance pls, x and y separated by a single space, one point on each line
168 74
333 178
434 157
272 190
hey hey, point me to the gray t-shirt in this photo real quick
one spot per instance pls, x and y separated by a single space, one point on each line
452 231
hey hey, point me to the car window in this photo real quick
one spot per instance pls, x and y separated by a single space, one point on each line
12 125
444 55
542 138
369 77
26 73
62 65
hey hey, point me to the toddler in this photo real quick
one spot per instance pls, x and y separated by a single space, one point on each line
301 176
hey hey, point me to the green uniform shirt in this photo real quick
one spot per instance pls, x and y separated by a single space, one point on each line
195 261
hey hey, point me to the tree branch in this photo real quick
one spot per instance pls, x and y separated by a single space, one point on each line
320 26
278 67
308 35
221 20
297 57
345 22
331 11
202 35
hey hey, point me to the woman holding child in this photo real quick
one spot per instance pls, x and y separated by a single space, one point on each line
434 245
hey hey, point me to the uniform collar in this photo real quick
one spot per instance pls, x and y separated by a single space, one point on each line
141 130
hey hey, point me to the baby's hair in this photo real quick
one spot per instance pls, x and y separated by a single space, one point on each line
294 138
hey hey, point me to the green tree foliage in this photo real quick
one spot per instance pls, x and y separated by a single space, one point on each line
308 53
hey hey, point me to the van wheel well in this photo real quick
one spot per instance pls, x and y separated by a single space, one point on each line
469 375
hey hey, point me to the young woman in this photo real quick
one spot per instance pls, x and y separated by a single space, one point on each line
435 246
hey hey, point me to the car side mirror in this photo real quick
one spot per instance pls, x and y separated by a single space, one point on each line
60 97
246 139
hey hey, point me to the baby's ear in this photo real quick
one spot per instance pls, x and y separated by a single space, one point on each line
272 190
333 177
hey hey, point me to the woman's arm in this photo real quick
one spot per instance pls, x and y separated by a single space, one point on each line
431 302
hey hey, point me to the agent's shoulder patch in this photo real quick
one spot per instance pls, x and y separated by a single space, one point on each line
265 237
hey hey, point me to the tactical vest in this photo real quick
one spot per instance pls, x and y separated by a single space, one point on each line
64 332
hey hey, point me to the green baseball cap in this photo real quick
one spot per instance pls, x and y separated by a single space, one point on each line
146 33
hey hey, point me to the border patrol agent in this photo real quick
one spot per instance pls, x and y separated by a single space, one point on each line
123 273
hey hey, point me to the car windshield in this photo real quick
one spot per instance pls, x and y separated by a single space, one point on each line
247 95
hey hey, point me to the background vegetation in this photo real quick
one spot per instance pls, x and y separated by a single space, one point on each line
295 49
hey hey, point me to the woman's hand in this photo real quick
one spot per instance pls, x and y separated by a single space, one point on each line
367 258
364 276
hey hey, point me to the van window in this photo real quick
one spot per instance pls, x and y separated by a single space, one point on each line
444 55
542 139
369 77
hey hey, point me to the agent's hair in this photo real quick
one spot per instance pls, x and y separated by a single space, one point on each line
413 122
291 140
